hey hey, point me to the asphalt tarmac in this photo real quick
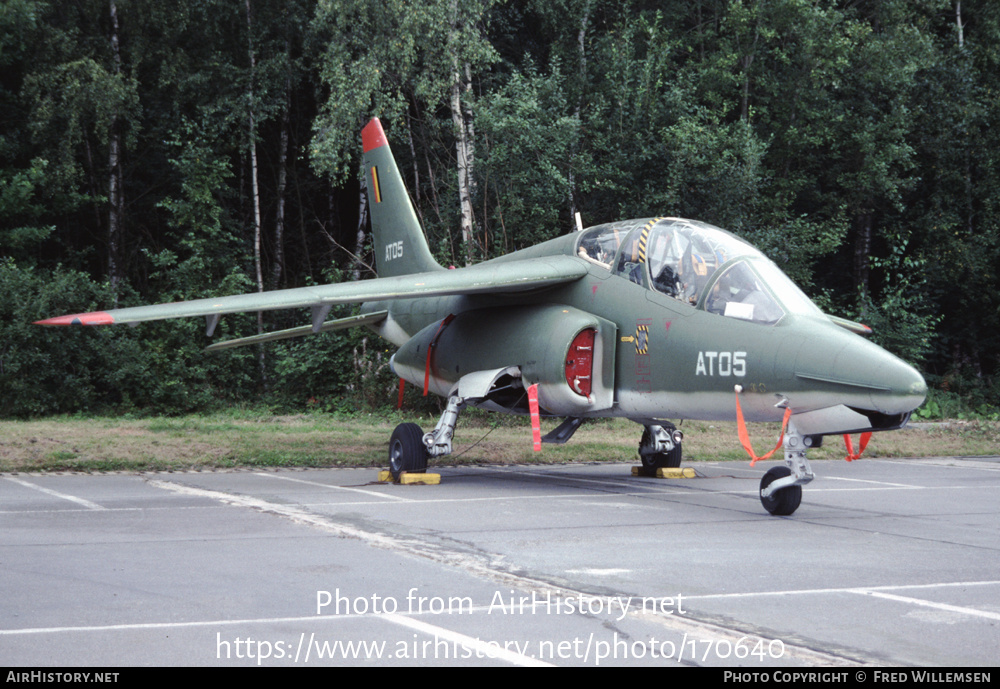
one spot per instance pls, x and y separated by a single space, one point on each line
886 563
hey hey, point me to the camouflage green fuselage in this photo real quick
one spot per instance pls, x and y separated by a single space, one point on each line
666 359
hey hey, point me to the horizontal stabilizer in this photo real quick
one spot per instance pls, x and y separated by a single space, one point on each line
339 324
499 277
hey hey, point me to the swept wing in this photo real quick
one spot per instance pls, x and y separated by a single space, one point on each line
485 278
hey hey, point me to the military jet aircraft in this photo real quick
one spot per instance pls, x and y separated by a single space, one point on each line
650 320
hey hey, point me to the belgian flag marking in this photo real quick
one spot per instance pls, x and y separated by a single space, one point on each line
375 186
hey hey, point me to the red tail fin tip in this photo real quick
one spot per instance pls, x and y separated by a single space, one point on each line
372 135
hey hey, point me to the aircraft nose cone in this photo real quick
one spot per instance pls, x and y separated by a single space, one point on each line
856 372
905 388
893 386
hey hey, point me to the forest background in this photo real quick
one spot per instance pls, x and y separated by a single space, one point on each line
154 152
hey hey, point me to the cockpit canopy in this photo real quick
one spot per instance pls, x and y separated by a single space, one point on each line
697 264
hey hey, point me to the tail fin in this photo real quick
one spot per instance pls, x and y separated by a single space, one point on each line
400 245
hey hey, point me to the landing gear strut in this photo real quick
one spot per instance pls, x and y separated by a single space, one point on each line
781 487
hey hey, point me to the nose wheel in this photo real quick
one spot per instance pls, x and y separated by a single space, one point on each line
783 501
781 486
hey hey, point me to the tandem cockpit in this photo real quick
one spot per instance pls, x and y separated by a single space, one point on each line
697 264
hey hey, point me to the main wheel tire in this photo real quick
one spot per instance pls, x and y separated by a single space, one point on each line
782 502
407 451
658 460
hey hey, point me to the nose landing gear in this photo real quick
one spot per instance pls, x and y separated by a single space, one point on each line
781 487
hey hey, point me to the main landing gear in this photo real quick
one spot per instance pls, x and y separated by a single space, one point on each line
406 450
410 447
660 447
781 487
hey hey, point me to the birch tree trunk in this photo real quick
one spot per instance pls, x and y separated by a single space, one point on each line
959 24
115 202
464 154
862 253
279 219
416 171
255 191
581 39
359 237
464 136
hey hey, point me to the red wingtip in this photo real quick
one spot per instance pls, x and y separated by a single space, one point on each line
372 135
95 318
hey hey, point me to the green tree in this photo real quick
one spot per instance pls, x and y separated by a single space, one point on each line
413 58
955 209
